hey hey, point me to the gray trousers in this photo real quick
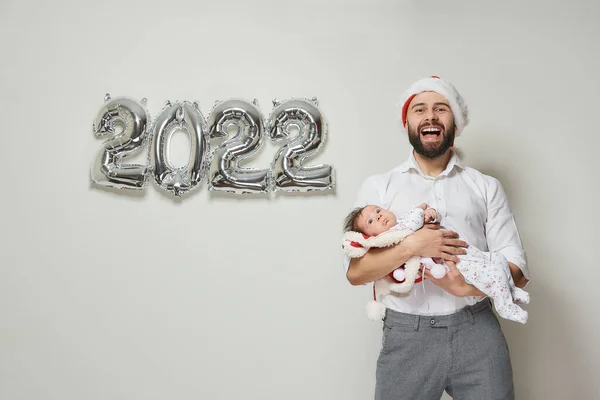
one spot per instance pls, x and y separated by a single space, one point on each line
463 353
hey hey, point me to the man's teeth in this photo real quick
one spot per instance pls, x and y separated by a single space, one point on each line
431 131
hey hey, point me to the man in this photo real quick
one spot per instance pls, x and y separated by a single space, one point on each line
446 336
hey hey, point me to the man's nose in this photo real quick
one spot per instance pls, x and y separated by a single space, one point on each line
431 115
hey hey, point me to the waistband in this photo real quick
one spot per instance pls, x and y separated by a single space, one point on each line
467 314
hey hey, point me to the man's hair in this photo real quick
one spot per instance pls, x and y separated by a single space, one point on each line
350 221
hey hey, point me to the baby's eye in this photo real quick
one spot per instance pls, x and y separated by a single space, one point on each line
378 211
370 221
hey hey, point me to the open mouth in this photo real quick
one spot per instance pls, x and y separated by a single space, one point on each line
431 132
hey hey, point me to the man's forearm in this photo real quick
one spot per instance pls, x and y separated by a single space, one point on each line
471 290
377 263
517 275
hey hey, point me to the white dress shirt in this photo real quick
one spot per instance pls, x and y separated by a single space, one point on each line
468 202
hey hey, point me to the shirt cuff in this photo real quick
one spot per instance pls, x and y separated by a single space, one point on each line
517 257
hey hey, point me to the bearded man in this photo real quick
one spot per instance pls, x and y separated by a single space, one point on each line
445 337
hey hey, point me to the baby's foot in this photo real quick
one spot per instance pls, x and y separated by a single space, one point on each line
513 312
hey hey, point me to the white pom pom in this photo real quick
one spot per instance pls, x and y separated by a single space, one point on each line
438 271
375 310
399 275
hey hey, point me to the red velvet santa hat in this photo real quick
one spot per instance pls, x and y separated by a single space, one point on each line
436 84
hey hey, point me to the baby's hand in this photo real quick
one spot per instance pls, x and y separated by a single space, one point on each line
430 215
422 206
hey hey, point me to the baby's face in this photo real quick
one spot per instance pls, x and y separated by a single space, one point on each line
374 220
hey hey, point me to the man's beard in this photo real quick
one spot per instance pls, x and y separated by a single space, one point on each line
433 150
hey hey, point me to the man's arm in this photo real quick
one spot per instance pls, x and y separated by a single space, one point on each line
502 233
502 236
454 282
377 263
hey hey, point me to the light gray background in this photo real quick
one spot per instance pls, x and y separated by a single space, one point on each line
105 295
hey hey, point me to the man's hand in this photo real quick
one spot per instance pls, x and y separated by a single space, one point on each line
453 282
517 274
431 241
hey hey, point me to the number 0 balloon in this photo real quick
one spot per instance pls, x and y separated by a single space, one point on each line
179 116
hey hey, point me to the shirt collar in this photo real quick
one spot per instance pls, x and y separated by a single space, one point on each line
411 163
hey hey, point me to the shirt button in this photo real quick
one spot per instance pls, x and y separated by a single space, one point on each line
432 321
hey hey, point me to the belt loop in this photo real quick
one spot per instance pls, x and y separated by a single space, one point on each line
470 312
417 319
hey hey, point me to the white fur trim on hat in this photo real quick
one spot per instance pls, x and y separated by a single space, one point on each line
446 89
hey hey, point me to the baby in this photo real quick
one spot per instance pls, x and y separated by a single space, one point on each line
488 271
372 220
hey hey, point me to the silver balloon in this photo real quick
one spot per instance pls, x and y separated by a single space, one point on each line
243 121
179 116
132 117
301 126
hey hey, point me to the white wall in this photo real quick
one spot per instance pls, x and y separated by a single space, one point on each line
108 295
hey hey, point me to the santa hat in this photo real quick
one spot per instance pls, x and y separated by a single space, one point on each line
443 87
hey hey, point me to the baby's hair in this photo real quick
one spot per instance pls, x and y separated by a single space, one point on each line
350 221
